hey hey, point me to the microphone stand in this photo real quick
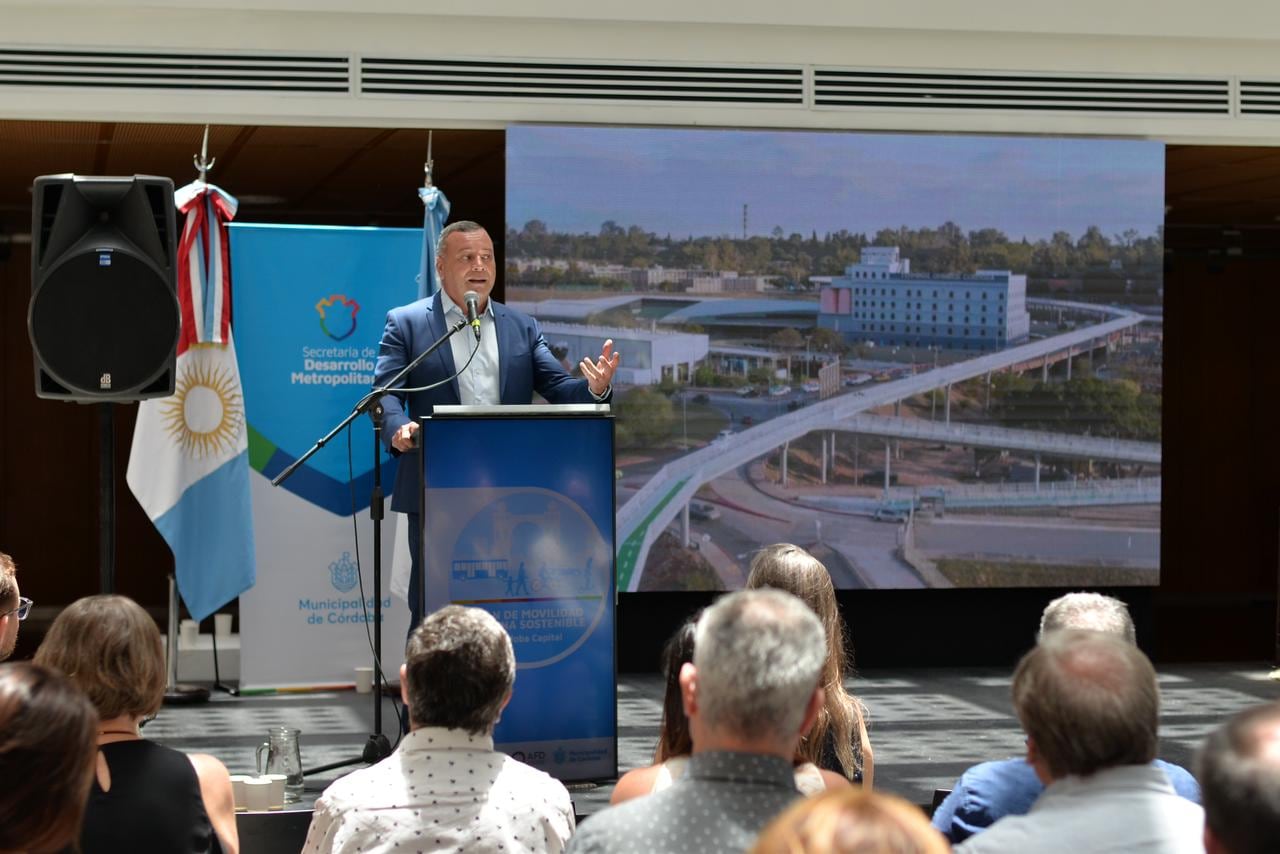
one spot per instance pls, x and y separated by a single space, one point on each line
378 747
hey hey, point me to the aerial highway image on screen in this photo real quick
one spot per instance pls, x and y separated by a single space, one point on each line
932 360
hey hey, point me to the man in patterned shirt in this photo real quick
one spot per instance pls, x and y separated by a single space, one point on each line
445 788
749 694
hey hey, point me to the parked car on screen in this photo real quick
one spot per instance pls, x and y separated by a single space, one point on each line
890 514
779 390
813 387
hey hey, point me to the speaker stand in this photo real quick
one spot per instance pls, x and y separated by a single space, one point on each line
107 497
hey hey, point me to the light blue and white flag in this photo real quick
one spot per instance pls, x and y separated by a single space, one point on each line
189 464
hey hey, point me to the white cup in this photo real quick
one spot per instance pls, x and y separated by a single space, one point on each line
188 631
257 794
222 625
364 680
276 796
238 790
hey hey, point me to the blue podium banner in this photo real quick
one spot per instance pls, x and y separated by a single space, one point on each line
520 522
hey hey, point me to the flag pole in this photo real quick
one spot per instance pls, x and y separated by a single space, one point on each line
202 161
430 165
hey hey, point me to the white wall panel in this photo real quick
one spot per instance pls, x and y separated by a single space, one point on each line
1231 40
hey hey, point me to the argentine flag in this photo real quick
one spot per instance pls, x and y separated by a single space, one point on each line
189 464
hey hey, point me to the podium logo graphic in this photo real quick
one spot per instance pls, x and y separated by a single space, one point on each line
342 572
338 316
533 558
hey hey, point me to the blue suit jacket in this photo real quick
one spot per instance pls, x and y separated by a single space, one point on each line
525 363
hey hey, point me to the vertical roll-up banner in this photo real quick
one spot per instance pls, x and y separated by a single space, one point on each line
310 303
525 530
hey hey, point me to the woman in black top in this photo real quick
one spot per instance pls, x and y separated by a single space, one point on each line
145 797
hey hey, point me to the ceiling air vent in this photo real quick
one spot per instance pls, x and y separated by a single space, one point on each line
581 81
1009 92
137 70
1260 97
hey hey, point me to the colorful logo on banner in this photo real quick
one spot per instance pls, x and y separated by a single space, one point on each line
338 316
300 376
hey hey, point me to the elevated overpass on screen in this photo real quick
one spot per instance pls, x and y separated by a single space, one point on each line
652 507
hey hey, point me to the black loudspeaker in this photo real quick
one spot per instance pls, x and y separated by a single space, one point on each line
104 317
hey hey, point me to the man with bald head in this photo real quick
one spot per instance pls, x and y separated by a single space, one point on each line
1089 705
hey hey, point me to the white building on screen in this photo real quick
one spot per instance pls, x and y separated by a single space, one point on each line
879 299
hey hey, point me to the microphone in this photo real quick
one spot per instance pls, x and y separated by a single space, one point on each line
472 299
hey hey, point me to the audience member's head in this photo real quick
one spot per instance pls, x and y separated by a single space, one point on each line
48 741
757 658
1239 772
110 647
851 821
10 606
1087 701
673 734
1088 612
458 671
783 566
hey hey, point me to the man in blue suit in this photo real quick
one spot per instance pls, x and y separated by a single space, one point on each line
511 361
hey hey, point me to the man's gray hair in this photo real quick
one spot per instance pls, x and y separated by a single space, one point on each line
758 654
463 225
460 668
1089 701
1239 774
1088 612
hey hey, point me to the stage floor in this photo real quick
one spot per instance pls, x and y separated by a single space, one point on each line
927 726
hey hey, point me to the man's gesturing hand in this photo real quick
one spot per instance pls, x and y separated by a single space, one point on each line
599 373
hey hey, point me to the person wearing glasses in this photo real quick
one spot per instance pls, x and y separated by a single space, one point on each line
13 608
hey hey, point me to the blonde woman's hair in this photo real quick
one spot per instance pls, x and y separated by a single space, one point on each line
851 821
784 566
109 647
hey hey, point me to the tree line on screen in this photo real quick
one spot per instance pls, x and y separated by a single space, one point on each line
1092 257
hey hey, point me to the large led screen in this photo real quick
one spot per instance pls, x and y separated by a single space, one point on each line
933 361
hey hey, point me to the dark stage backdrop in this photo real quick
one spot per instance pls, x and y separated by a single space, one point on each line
1221 471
